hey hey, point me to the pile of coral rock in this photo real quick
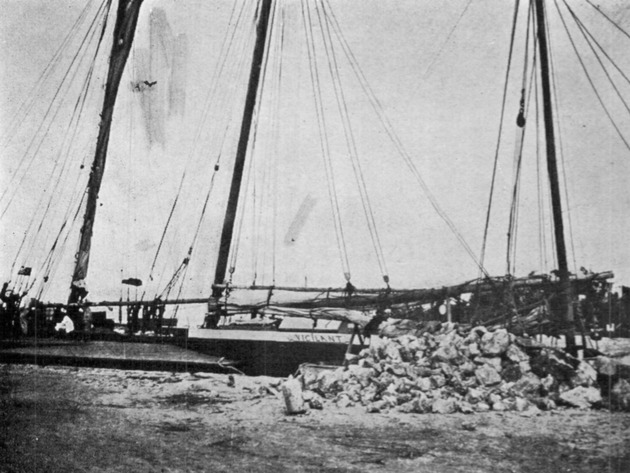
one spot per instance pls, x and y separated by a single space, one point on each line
450 369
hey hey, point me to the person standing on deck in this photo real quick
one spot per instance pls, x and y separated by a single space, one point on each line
65 327
4 321
12 310
133 322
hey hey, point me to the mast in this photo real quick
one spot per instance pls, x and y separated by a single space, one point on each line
239 163
124 30
552 169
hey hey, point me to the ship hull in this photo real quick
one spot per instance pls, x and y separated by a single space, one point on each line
253 352
271 353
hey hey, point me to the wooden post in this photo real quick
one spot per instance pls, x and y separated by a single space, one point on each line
449 312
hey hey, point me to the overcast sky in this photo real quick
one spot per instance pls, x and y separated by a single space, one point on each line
437 69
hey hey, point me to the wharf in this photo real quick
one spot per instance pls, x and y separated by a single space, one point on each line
158 356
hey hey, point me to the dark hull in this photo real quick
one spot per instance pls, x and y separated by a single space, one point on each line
271 358
254 355
122 354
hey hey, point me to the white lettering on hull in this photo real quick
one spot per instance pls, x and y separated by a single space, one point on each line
271 336
317 338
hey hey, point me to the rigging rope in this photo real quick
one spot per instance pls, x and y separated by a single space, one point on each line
183 268
556 98
542 244
596 7
29 101
496 152
225 50
585 30
242 207
590 80
275 141
396 140
446 40
518 155
582 30
51 261
258 205
268 216
46 116
325 149
240 65
50 268
342 105
68 139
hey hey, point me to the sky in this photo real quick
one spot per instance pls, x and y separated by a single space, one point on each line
437 70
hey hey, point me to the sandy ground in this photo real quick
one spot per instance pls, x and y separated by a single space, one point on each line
55 419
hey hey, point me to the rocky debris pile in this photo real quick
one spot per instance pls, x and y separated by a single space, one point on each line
449 368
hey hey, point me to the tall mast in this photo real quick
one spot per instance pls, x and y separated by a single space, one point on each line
552 170
124 30
239 163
